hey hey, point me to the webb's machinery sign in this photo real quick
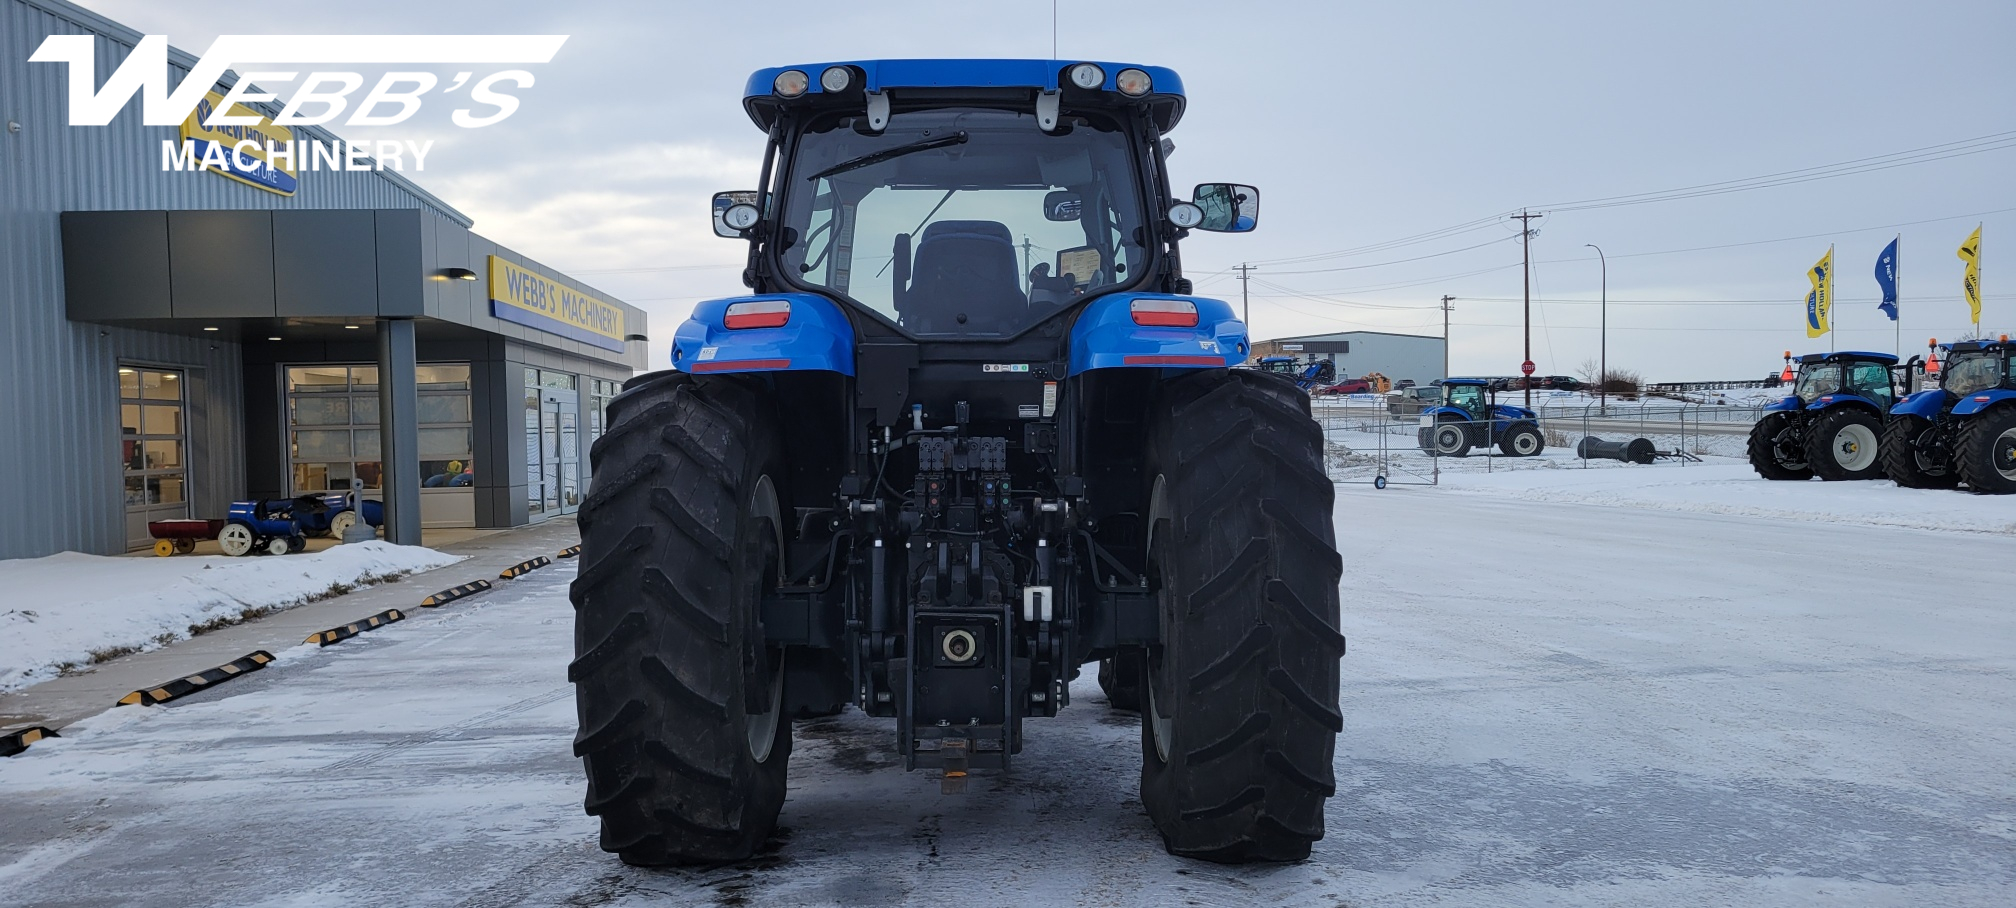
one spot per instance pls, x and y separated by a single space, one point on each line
535 301
256 164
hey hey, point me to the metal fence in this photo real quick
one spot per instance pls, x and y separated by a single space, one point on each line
1367 442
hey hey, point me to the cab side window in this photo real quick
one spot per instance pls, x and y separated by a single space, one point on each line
1872 380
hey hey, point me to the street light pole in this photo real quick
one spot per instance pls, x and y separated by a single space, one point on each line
1603 361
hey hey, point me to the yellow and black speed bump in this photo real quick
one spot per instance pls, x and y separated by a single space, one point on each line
570 551
455 592
203 680
353 629
524 567
16 741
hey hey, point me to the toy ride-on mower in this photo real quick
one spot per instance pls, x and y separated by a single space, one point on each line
280 526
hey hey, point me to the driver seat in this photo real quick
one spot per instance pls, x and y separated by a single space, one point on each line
966 281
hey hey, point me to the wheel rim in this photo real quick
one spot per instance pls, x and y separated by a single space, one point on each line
277 547
1927 464
164 547
235 540
1160 729
1448 438
2003 453
341 523
1855 448
1525 443
761 728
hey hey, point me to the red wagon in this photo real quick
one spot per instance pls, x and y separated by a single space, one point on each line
172 537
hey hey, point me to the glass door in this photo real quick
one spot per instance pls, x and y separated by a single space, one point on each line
154 446
552 443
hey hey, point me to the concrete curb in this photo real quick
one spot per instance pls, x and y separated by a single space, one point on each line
455 592
182 687
354 628
16 741
524 567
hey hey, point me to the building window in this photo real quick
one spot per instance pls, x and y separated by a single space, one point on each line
153 440
333 434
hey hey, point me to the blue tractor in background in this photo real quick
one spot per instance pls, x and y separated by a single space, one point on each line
1315 374
1470 416
1832 424
1962 431
969 431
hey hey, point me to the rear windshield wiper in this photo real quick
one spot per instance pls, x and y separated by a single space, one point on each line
957 138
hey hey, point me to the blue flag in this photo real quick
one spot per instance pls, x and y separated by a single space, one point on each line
1886 277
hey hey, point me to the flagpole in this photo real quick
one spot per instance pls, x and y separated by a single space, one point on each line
1827 284
1897 283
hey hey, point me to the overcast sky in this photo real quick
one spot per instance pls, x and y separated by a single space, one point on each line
1361 124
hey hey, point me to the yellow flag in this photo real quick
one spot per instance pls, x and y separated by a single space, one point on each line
1821 299
1970 252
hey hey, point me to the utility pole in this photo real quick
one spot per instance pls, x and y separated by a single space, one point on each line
1446 300
1245 307
1526 272
1603 362
1028 262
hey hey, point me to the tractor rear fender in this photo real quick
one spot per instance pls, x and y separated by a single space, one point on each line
1927 404
1830 401
1107 335
1976 403
816 336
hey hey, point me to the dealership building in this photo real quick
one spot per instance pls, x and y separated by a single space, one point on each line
1358 353
179 340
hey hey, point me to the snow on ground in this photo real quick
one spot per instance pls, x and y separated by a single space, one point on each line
73 609
1567 716
1735 488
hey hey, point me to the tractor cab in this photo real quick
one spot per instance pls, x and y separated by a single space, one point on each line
1829 378
1976 366
1279 365
1466 395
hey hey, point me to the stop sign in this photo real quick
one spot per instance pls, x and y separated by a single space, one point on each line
1526 367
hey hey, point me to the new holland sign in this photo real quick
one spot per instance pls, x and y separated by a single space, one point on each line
536 301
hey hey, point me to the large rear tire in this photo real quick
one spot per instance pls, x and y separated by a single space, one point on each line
1771 456
1845 443
680 700
1911 455
1985 452
1239 714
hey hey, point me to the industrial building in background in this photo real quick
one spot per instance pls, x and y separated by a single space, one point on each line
1357 353
194 338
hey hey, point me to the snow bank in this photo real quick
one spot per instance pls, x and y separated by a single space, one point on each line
1737 489
71 609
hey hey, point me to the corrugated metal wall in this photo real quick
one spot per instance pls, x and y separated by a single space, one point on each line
60 474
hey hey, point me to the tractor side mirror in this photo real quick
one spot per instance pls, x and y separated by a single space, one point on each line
1062 205
1228 207
735 212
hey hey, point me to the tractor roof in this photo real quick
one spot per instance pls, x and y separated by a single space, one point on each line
1975 346
1464 381
1849 356
943 81
1277 359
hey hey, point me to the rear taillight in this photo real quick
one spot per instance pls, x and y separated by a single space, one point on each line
1165 313
759 314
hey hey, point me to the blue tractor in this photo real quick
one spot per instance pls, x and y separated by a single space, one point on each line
969 431
1470 416
1962 431
1831 425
